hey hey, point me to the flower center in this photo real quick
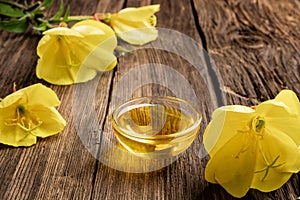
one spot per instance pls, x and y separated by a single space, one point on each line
21 109
24 120
258 125
59 37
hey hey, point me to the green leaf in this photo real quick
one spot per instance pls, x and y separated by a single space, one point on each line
17 26
10 11
47 3
67 14
59 12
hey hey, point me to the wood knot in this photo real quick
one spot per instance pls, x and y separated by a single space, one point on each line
249 39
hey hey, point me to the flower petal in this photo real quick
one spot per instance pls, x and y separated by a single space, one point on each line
277 159
47 44
88 30
36 91
52 121
289 98
107 41
15 136
139 36
276 180
32 95
276 145
58 75
11 99
61 67
135 32
278 116
227 122
141 13
62 31
59 61
233 165
62 56
106 44
136 25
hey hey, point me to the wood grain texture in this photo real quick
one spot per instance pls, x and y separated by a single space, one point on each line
252 43
170 182
58 167
253 46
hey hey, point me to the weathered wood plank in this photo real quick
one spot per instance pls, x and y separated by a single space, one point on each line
58 167
184 178
254 45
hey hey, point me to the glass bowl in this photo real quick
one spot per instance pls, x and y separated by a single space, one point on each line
156 127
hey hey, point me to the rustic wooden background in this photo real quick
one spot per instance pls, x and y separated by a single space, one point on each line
254 44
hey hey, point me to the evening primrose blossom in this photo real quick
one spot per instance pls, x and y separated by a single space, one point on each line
254 147
29 113
74 55
134 25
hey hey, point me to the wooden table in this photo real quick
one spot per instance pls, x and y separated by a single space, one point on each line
255 48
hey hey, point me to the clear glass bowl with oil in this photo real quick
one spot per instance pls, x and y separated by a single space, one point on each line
156 127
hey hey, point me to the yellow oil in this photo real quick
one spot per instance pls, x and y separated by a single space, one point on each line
150 130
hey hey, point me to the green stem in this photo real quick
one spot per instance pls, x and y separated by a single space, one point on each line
73 18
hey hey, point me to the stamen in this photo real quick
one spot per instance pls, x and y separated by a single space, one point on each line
269 165
59 37
152 20
23 120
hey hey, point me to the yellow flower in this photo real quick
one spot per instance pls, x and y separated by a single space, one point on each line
73 55
136 25
29 113
254 148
